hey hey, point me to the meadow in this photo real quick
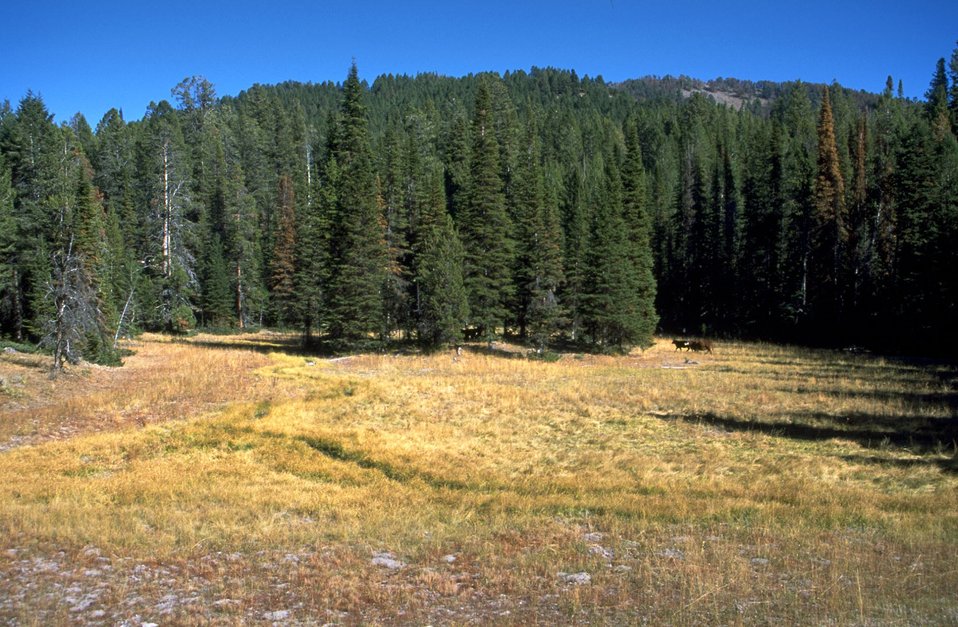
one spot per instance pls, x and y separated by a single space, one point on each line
234 479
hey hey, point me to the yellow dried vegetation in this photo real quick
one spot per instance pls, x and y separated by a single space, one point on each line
758 484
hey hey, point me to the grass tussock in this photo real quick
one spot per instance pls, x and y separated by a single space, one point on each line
758 484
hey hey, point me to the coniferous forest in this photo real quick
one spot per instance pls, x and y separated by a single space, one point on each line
542 206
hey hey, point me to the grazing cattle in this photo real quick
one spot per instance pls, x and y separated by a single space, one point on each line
680 344
701 346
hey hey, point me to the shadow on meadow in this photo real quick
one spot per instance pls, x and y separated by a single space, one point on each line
917 434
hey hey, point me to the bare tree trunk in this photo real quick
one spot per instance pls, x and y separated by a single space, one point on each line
167 212
309 174
239 294
17 306
119 325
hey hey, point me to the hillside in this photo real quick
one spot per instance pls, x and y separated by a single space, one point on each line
540 207
757 96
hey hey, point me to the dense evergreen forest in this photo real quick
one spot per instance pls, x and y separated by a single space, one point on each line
542 206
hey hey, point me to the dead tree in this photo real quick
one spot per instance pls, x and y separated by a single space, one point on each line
75 315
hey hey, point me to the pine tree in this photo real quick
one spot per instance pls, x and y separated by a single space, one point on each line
91 248
953 90
442 307
575 227
394 209
936 98
639 226
313 252
527 221
164 171
485 227
358 247
35 152
282 282
610 304
829 230
9 258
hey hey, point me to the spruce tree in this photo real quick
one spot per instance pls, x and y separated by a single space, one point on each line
829 235
639 228
394 209
575 227
611 313
283 261
936 98
358 248
442 307
9 258
90 245
953 90
547 313
527 222
485 227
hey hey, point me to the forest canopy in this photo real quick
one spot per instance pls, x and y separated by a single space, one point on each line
538 205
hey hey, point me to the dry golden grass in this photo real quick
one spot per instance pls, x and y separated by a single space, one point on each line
759 484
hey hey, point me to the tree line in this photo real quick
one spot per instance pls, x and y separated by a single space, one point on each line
541 206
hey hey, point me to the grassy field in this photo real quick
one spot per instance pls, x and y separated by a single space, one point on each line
227 479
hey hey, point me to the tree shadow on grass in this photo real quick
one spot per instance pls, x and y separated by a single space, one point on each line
917 434
294 345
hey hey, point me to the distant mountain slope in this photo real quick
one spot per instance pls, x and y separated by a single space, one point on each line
735 93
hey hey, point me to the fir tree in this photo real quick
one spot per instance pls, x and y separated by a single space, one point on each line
953 89
282 282
485 227
442 307
358 249
639 228
10 305
610 304
575 227
936 98
90 246
829 228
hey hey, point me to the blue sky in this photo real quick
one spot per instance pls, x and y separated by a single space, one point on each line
90 56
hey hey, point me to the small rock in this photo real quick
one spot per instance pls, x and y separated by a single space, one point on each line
387 560
594 536
449 559
576 579
277 615
9 350
600 551
149 625
672 554
759 561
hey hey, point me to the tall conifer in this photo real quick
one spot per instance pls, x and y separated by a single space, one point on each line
639 228
358 246
829 226
485 227
283 262
442 307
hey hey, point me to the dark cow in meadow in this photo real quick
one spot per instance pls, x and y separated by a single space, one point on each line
680 344
701 346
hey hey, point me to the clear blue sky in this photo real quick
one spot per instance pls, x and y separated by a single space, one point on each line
90 56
